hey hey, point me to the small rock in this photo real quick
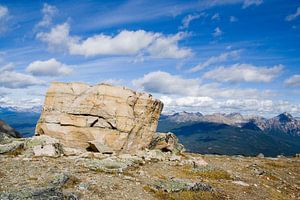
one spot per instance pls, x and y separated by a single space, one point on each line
109 165
280 156
40 140
114 164
13 148
129 178
131 159
71 196
51 150
152 155
61 179
86 155
99 147
260 155
83 186
71 151
175 158
242 183
52 193
195 162
177 185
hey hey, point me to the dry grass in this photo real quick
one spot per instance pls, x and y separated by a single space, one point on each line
276 165
208 173
214 174
2 175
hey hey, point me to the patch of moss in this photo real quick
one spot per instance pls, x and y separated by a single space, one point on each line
32 178
183 195
33 142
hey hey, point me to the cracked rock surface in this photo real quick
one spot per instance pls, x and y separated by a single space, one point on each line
117 117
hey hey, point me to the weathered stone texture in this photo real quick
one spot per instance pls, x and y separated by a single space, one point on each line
120 118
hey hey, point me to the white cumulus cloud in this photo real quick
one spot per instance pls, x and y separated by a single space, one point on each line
165 83
167 47
9 78
124 43
251 106
50 67
293 80
293 16
58 37
244 73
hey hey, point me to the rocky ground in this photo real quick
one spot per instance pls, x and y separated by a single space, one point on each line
190 176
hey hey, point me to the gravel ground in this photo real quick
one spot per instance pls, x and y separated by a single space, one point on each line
230 178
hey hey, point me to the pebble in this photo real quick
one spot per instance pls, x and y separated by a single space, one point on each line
242 183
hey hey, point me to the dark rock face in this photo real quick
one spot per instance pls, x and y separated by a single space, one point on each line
251 126
285 117
285 123
8 131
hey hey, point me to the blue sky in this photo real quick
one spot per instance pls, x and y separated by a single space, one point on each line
201 56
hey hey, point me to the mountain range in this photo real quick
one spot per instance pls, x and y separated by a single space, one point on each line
22 119
233 134
228 134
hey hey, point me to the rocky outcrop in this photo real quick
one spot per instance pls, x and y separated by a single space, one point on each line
12 148
56 190
178 185
7 131
166 142
118 118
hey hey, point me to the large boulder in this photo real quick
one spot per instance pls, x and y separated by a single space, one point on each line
119 118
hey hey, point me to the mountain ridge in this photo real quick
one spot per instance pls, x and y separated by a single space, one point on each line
22 119
283 122
235 134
